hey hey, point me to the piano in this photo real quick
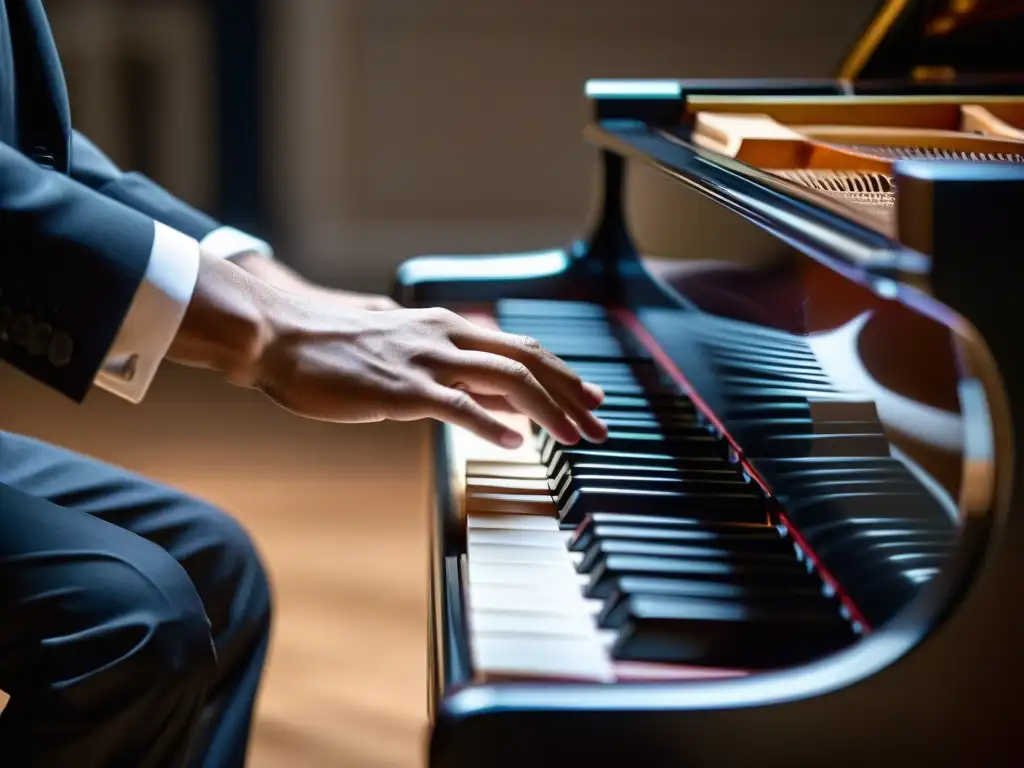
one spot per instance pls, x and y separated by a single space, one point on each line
803 542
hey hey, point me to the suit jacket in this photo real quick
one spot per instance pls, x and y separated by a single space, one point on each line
75 231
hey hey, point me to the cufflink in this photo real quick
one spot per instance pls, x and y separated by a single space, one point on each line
130 367
60 350
122 367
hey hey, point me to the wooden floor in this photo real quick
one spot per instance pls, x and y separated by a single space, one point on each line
338 511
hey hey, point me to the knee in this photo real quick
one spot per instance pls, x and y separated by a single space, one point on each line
155 625
229 571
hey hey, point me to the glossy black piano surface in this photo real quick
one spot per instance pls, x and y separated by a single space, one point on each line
803 538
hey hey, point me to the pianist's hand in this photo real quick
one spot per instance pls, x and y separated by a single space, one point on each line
277 274
328 362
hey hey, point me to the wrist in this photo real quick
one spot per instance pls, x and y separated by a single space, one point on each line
227 324
272 272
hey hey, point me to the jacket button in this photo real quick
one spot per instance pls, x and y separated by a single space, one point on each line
61 349
5 322
20 330
39 338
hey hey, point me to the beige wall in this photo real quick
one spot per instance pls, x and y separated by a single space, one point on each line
422 126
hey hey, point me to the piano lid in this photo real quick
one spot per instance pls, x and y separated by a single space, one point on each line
940 40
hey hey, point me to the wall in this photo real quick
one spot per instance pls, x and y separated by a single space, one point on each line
140 83
419 126
408 126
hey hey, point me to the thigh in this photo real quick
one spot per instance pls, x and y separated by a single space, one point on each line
212 547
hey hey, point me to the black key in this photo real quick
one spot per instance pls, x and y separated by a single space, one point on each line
615 610
605 574
571 456
572 482
720 590
548 308
602 549
583 534
648 421
756 539
653 402
793 372
692 443
724 634
702 471
740 507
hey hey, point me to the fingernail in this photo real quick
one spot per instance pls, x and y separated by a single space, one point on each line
511 440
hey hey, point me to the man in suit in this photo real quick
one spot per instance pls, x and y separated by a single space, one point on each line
134 620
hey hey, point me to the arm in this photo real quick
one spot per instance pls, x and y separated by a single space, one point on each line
71 264
331 363
92 167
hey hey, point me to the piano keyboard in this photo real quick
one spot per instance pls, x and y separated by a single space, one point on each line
650 556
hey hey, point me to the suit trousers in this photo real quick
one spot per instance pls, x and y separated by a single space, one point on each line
134 619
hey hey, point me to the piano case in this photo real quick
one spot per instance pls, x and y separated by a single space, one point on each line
846 351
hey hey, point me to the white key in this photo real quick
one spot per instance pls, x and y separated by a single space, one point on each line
517 485
529 556
559 657
504 622
514 503
508 469
511 522
528 599
516 538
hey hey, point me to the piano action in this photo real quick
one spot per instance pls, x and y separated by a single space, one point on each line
802 543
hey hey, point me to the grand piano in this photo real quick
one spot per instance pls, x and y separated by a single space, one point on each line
803 542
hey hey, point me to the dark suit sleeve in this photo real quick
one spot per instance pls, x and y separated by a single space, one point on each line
93 168
71 261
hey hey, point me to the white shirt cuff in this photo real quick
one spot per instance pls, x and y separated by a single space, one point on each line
228 242
154 316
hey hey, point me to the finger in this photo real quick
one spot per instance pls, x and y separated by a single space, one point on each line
487 374
495 403
573 395
456 407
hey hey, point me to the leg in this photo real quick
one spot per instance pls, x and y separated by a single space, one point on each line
104 645
213 550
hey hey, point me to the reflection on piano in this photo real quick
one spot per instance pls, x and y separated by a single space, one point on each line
802 543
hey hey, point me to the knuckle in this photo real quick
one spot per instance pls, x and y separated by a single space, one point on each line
441 316
530 343
459 400
516 370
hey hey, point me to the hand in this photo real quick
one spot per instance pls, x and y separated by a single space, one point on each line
277 274
352 300
336 364
331 363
